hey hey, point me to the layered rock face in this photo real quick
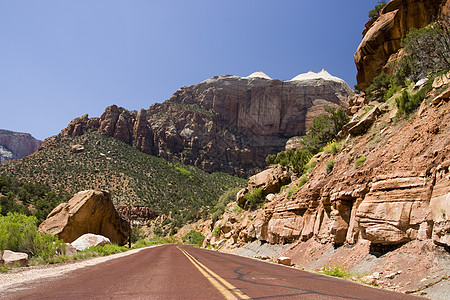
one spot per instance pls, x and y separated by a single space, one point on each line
226 123
400 193
14 145
382 38
87 212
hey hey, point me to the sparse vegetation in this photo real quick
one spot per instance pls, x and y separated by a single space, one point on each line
255 198
336 271
360 161
321 134
329 166
171 188
193 237
302 181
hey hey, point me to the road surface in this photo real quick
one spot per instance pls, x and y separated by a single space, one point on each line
186 272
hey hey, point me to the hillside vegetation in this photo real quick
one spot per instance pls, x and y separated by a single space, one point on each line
131 176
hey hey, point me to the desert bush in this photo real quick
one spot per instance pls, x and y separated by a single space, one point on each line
255 198
193 237
360 161
329 166
428 52
322 133
216 231
302 181
336 271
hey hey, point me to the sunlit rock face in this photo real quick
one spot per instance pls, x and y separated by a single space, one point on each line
225 123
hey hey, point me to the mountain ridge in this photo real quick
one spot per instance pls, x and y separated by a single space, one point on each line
225 123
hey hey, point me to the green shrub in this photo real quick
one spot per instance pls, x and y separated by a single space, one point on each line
310 166
292 192
302 181
427 53
18 233
329 166
332 147
193 237
407 103
379 87
255 198
106 249
323 131
336 271
360 161
216 231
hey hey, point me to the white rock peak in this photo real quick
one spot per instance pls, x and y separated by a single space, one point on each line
259 75
319 75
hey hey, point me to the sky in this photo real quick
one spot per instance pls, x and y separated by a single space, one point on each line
61 59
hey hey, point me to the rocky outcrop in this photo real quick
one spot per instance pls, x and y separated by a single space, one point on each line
87 212
137 212
226 123
14 145
382 38
269 181
399 193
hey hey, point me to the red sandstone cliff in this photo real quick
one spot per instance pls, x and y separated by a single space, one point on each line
226 123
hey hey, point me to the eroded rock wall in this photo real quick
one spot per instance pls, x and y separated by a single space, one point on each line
226 123
400 193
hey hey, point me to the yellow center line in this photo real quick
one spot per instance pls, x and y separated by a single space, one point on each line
224 288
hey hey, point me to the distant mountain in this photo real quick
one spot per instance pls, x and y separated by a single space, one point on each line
15 145
225 123
95 161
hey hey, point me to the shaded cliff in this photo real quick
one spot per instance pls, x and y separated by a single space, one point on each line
15 145
226 123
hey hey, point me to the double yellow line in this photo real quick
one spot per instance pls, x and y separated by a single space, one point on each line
227 289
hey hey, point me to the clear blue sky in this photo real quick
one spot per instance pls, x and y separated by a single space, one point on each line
60 59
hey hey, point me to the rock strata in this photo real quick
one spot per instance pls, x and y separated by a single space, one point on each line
87 212
400 193
226 123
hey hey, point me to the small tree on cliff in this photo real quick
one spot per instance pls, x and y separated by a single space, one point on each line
374 13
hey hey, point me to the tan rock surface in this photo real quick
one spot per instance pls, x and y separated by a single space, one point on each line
87 212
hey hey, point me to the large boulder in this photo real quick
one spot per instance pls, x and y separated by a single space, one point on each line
270 180
87 212
88 240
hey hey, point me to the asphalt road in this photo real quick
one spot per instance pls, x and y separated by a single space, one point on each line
186 272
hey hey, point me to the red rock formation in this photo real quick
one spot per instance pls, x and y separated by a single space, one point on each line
382 38
226 123
400 193
15 145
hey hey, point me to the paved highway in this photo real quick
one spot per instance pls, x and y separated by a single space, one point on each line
186 272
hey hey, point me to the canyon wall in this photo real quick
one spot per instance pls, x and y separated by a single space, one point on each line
226 123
